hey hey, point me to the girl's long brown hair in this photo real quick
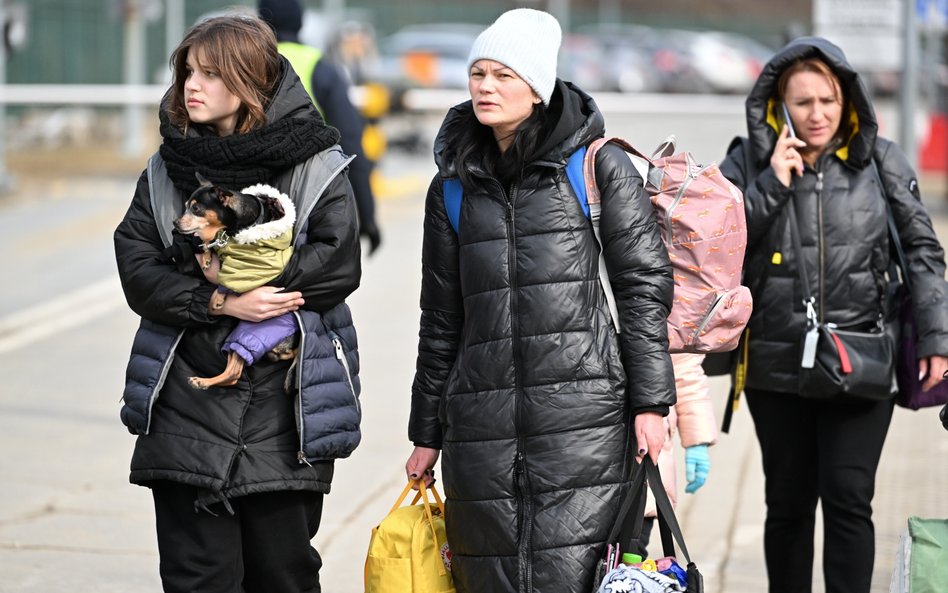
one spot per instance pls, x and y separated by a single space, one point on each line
243 49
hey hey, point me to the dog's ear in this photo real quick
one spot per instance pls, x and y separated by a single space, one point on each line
204 182
227 198
273 207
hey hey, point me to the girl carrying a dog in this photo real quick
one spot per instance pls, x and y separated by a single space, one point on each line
238 473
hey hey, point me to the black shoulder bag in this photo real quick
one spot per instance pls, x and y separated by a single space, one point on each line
840 363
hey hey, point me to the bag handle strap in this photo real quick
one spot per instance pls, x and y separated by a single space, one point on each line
589 162
798 250
635 490
808 299
423 496
402 496
434 493
667 521
593 201
434 534
647 473
893 230
418 496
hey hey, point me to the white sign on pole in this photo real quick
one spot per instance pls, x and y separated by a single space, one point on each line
868 31
932 14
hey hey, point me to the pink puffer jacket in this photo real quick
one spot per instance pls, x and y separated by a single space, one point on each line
692 419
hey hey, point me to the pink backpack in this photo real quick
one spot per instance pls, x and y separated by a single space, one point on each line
701 215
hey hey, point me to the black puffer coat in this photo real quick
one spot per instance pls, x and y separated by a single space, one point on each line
232 441
842 214
521 380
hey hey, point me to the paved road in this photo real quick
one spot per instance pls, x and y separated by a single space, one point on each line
70 522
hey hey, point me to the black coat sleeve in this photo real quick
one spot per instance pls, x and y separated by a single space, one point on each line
641 276
169 291
925 255
327 268
442 314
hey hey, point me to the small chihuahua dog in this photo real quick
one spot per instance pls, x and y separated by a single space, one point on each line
212 209
217 215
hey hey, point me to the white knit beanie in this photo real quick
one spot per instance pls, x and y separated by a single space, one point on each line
527 41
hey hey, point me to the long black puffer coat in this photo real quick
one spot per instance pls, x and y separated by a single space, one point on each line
841 211
233 441
521 380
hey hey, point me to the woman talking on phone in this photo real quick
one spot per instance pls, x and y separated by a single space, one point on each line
818 234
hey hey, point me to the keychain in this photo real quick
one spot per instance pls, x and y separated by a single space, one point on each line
812 337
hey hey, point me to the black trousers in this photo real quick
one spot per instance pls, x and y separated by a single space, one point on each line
827 452
263 547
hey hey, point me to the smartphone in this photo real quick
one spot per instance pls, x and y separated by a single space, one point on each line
789 122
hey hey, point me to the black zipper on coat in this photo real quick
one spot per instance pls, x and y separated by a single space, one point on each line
521 481
819 222
298 392
241 446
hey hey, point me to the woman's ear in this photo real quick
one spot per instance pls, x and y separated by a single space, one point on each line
536 99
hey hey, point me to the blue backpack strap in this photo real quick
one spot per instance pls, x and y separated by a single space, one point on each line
574 172
453 192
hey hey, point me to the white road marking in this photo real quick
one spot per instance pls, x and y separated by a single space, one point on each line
61 313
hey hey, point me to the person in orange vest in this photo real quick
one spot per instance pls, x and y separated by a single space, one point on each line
329 88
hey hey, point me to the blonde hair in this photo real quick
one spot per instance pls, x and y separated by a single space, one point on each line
243 49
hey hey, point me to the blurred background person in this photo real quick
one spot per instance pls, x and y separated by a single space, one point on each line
328 85
352 46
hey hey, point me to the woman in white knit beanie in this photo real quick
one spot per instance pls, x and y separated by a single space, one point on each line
522 382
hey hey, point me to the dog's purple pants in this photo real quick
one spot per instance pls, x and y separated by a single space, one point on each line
252 339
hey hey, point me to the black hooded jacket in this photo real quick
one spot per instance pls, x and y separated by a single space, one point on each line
232 441
841 211
521 379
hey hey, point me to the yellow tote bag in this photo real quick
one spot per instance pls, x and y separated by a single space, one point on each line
408 550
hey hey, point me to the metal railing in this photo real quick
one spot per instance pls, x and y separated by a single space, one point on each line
415 100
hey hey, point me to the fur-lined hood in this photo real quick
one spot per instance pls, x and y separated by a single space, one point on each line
274 228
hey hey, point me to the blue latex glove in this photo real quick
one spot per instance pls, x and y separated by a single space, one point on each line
697 466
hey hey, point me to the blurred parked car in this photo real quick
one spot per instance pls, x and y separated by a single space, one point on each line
659 56
582 62
728 61
721 63
606 63
682 61
428 56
